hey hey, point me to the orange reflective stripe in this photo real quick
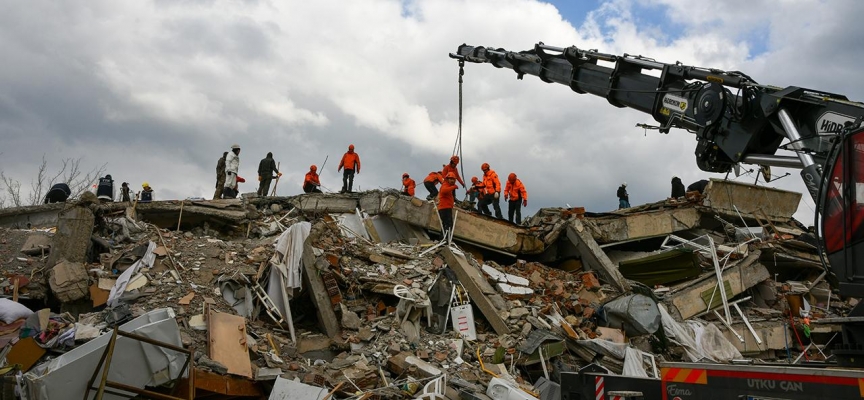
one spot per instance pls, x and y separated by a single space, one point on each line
685 375
861 386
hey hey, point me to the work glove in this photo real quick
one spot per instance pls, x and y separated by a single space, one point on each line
259 178
278 174
497 195
524 203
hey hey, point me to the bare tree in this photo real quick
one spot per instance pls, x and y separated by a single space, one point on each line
69 173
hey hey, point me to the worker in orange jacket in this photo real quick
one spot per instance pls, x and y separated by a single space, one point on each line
446 201
451 168
476 189
312 183
491 192
408 185
516 197
351 163
431 182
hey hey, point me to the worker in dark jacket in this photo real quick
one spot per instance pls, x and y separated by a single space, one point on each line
446 201
677 187
408 185
58 193
125 192
623 196
698 186
105 190
220 176
266 169
516 196
351 162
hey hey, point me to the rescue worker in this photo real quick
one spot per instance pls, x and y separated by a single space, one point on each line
408 185
677 187
125 192
220 176
623 197
266 168
59 193
491 192
351 163
232 165
105 190
516 196
698 186
146 193
454 161
446 201
312 182
431 182
476 189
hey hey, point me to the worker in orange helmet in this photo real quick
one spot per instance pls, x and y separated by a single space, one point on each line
491 192
408 185
312 183
431 182
476 189
351 163
515 194
451 168
446 201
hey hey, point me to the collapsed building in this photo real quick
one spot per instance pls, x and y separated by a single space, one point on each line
358 296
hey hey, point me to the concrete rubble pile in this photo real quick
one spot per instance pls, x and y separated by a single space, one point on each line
355 296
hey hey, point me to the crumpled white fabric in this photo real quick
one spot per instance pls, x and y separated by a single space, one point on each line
289 249
699 340
120 286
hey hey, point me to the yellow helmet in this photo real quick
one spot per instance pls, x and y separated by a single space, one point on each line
145 184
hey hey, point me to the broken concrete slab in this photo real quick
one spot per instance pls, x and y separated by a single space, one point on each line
642 225
477 288
74 228
313 280
730 198
69 281
770 332
593 256
284 389
686 300
37 243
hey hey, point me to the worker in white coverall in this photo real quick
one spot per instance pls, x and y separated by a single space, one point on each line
232 165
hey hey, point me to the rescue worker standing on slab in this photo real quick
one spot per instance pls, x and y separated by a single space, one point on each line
105 190
220 176
491 192
124 192
312 182
623 197
677 187
446 201
408 185
431 182
454 161
266 168
516 196
351 163
146 193
232 165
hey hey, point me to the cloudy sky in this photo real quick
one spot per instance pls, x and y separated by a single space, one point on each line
159 89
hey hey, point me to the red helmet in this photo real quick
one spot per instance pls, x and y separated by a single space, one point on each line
405 175
474 179
350 147
454 159
511 177
451 175
485 166
313 168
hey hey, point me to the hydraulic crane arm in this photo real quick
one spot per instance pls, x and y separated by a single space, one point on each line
747 126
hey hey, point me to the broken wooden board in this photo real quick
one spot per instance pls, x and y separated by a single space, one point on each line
474 282
227 343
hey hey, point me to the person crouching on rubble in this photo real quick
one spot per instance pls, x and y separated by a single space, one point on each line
312 182
408 185
446 201
431 182
515 194
146 195
58 193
